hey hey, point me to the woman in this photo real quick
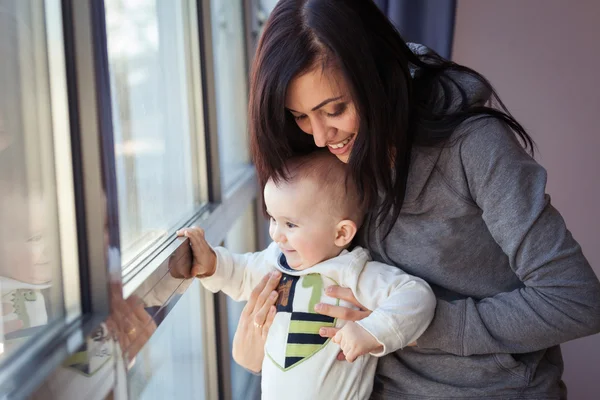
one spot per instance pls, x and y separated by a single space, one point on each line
454 198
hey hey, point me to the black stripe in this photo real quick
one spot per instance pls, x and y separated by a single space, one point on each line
306 338
304 316
283 263
289 361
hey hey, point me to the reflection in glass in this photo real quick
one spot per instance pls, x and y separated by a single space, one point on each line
30 275
171 364
152 119
230 86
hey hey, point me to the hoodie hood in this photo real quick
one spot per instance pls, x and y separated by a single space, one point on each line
476 92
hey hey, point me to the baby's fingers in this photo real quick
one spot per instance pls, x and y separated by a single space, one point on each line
351 356
196 237
192 233
328 332
337 338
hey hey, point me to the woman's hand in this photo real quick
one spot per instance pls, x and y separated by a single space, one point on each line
345 313
255 321
340 312
129 322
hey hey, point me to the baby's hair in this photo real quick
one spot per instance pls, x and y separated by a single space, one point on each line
333 179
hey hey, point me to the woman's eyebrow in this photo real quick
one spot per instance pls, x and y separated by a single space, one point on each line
321 104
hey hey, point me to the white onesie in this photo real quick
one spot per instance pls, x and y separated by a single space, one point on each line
300 364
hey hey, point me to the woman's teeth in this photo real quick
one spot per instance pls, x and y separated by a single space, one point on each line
341 144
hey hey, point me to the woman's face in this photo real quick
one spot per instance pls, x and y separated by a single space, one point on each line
320 102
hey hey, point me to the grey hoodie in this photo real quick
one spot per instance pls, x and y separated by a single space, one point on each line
511 282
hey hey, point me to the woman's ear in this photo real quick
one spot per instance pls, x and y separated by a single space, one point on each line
345 231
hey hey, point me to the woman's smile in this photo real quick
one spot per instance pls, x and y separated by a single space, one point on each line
342 147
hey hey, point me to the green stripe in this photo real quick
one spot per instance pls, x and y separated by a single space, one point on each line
301 350
77 358
307 326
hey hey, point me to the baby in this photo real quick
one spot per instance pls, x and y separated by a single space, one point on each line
315 213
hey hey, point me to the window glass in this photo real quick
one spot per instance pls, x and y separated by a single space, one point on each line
171 364
241 239
154 118
30 240
230 86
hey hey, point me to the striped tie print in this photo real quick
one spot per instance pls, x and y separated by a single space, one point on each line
303 336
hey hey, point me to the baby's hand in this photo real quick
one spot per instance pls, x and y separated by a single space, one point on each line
205 259
355 341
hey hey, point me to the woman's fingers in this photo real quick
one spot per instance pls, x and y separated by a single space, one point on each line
346 294
268 322
261 316
261 293
344 313
255 322
249 307
267 292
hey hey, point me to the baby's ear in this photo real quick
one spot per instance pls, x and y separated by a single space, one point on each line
345 231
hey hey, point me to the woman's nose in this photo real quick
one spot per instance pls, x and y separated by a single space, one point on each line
322 133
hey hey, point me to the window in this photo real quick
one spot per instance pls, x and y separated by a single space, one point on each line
231 87
240 239
37 236
157 120
171 365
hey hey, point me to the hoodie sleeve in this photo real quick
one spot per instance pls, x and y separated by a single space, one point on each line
560 297
238 274
403 305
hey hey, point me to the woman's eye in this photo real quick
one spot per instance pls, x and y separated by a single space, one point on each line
339 110
299 117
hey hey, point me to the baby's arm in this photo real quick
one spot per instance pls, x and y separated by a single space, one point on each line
238 274
403 306
219 269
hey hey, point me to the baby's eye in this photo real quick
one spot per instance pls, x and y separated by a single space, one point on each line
290 225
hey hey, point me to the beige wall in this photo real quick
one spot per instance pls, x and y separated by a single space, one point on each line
543 57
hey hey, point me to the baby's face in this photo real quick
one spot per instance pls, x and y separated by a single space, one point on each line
24 255
300 223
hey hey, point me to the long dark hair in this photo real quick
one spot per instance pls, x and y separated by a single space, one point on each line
397 110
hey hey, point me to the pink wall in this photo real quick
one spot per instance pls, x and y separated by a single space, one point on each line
543 57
